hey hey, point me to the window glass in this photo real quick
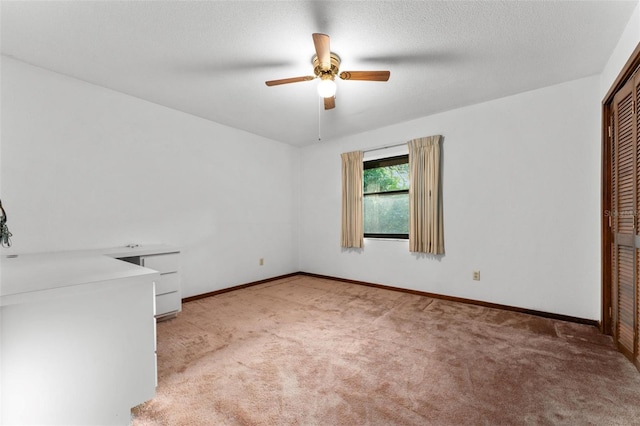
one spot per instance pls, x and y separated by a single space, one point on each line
386 197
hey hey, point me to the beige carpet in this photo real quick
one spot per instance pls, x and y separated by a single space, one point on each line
309 351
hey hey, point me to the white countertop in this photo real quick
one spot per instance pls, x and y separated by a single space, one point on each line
31 277
141 250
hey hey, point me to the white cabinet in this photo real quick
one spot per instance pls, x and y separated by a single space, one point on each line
166 260
78 332
168 294
78 339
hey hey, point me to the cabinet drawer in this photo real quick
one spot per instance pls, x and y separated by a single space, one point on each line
168 283
168 302
162 263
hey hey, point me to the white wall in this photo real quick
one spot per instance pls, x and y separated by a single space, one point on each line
84 167
623 50
87 167
521 204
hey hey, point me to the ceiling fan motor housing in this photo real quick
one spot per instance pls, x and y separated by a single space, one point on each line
332 70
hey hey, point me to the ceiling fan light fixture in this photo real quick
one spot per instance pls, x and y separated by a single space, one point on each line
327 87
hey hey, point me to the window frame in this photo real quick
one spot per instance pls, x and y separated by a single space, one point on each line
377 163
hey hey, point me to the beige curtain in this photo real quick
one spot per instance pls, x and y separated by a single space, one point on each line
426 231
352 226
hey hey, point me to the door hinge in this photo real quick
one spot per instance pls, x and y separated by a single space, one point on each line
609 311
609 131
609 221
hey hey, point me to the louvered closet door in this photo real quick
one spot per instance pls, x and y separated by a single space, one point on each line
636 120
625 204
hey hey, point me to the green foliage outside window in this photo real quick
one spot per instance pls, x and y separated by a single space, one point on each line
384 179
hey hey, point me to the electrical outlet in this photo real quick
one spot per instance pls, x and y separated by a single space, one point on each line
261 261
476 275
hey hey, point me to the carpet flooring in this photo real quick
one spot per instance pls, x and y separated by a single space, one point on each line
310 351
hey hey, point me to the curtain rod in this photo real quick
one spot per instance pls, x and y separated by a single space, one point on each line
384 147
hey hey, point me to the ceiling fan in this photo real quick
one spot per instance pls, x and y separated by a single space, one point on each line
326 66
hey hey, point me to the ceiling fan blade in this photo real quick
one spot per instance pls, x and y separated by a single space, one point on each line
330 103
321 42
365 75
288 80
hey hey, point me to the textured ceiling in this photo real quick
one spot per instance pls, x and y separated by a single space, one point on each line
211 58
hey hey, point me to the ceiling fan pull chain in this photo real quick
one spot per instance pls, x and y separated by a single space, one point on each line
320 103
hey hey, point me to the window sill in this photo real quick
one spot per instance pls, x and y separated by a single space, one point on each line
386 239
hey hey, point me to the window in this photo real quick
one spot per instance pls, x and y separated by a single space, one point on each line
386 197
